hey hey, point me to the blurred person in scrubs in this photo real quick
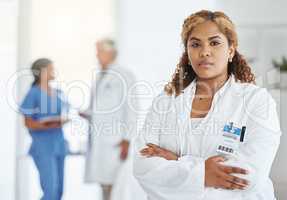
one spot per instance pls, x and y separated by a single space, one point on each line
112 118
42 108
212 134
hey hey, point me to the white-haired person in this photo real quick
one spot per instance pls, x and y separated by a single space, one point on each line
112 119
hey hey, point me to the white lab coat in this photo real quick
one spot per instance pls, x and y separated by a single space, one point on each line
168 125
113 119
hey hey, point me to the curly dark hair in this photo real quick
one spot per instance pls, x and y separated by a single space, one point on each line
184 74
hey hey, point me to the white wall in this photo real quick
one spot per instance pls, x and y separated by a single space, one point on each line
254 12
262 33
8 45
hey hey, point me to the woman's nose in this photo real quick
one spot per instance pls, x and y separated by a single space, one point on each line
205 51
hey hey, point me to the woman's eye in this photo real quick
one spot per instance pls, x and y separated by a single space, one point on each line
194 45
214 43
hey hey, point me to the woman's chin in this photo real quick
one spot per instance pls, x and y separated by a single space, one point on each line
205 76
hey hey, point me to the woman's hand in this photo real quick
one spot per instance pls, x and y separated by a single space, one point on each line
153 150
219 176
36 125
53 124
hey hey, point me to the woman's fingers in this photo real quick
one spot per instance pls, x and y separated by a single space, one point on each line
234 170
232 182
149 152
153 150
231 186
146 150
220 176
153 146
157 150
236 180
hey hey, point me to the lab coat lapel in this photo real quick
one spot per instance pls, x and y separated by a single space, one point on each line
183 103
106 80
107 77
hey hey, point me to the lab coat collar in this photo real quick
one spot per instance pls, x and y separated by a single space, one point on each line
110 69
111 66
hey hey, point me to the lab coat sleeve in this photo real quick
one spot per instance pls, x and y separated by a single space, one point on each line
161 178
89 110
262 140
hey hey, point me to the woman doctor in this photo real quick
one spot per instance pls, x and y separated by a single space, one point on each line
42 108
213 134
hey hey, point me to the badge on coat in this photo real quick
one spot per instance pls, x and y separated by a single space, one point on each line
231 137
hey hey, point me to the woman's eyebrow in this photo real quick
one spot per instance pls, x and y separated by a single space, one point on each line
194 38
214 37
210 38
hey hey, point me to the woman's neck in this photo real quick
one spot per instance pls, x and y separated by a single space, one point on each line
44 85
208 87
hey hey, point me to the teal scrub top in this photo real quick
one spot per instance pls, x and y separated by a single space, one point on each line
37 104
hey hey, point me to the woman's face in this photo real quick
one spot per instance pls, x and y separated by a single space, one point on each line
208 51
48 73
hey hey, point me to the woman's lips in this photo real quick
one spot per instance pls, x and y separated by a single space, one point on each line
205 64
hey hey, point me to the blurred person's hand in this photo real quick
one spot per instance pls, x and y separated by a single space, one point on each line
84 115
55 123
124 146
52 124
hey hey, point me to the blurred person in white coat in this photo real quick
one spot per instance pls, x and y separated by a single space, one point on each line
212 134
112 118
